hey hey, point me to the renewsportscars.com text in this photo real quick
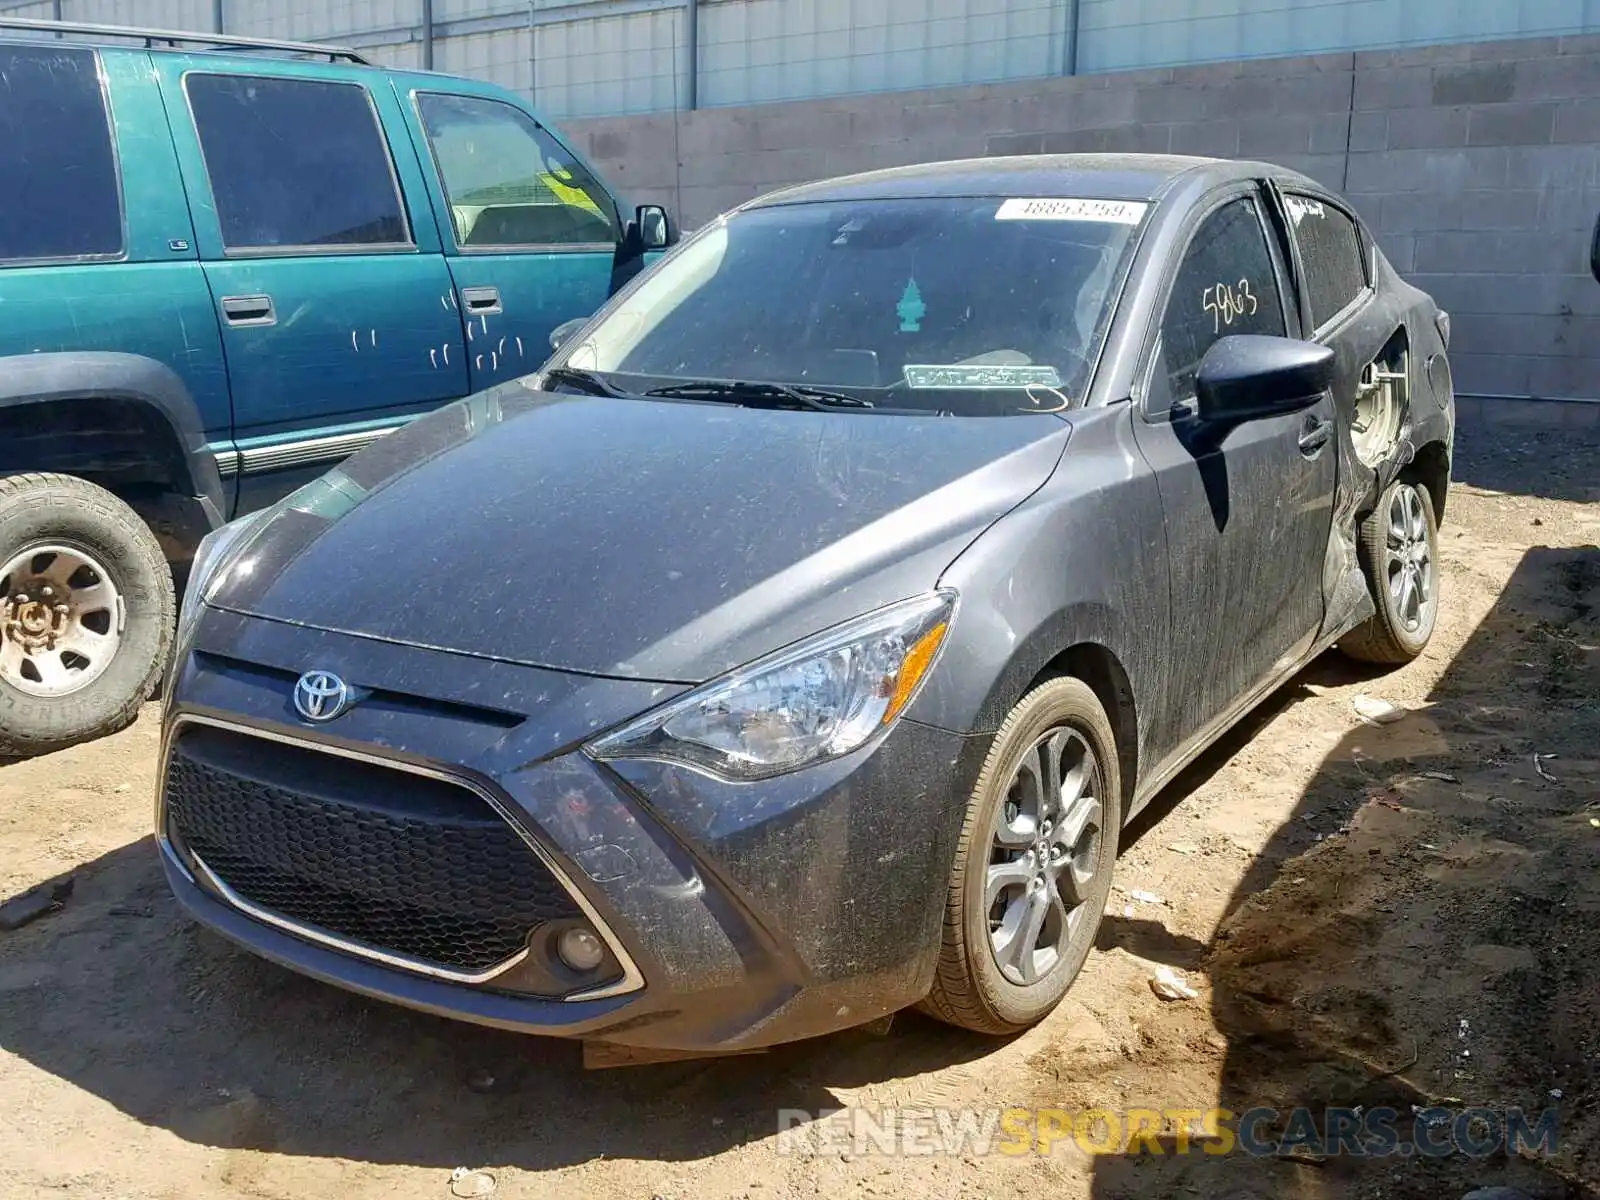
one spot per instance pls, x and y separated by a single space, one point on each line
1257 1132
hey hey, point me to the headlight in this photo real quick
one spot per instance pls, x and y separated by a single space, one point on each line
820 699
213 553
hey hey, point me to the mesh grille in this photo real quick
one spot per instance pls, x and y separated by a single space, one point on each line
397 862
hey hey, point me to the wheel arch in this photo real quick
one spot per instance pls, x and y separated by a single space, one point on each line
1100 668
98 398
1081 642
1431 468
122 421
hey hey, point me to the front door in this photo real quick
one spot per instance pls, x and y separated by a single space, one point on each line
1248 507
333 297
533 234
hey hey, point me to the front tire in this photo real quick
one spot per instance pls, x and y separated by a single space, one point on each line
1033 867
86 613
1398 546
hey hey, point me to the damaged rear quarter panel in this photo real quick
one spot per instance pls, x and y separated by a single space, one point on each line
1427 419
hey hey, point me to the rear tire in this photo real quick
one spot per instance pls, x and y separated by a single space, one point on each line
86 613
1398 546
1032 872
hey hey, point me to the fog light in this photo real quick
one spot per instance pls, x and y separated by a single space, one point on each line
580 949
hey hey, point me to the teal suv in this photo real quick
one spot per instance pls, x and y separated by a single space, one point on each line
225 264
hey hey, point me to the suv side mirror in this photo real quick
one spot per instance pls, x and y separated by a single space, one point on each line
1594 252
562 333
1250 375
654 226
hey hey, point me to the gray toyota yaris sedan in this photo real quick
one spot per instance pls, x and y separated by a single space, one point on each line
793 647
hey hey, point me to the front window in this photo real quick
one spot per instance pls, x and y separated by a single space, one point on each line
1226 284
972 306
508 182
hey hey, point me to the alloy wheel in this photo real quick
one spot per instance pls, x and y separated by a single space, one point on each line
1408 558
1044 850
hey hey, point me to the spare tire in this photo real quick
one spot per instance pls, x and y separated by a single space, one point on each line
86 613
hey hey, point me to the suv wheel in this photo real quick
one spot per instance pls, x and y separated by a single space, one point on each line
1033 867
1399 550
86 613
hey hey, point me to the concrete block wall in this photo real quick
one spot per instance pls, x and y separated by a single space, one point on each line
1476 165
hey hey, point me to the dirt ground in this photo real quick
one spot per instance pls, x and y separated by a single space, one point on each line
1395 914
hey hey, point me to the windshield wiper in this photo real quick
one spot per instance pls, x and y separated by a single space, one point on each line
586 381
761 394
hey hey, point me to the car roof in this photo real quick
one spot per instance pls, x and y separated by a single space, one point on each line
1080 176
235 53
233 50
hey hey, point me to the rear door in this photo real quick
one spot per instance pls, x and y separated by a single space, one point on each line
530 232
1365 328
322 257
1248 507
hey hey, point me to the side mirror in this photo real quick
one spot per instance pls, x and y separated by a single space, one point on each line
655 228
1594 252
1250 375
562 333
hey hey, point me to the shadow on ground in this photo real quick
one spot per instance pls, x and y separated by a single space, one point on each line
123 997
1444 950
1527 462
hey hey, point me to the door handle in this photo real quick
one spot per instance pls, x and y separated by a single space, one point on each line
1314 436
249 310
481 301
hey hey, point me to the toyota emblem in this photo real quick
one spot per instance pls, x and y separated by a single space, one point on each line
321 696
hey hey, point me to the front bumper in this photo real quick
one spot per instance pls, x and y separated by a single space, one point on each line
739 915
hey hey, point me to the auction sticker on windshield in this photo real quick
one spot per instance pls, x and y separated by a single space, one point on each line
1112 212
975 375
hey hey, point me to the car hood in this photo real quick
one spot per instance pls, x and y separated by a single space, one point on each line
636 539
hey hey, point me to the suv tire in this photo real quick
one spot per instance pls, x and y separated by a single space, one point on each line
1026 843
86 613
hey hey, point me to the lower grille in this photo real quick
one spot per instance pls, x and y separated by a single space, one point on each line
397 862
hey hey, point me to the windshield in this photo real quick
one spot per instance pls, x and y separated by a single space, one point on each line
971 306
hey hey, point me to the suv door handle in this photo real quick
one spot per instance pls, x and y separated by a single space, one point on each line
249 310
481 301
1314 436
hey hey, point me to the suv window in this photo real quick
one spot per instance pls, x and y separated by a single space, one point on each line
1226 284
58 171
1330 255
508 182
296 163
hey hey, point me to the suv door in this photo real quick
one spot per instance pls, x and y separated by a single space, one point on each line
334 298
1248 507
531 234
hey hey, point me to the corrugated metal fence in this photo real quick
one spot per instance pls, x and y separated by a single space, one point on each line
580 58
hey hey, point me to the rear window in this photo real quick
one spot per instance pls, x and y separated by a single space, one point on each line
1330 255
296 163
58 172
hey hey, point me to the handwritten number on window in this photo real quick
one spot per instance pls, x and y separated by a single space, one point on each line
1227 302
